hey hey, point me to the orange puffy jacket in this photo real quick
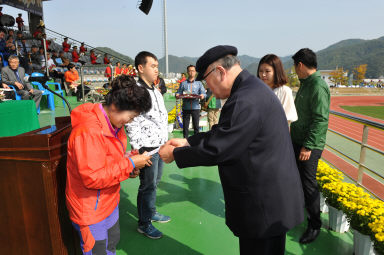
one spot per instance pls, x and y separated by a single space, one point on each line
95 166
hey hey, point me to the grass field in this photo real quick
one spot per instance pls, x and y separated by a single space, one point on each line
372 111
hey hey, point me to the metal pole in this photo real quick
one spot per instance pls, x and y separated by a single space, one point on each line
362 155
81 83
46 58
165 39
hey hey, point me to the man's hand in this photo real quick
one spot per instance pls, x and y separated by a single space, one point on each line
166 153
19 85
177 96
31 91
304 154
178 142
141 160
5 86
201 96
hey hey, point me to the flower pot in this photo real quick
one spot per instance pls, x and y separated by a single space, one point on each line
170 127
323 205
362 244
337 220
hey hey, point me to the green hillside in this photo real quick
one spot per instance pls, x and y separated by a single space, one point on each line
122 58
347 54
176 64
351 53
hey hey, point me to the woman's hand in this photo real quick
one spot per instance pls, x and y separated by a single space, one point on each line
141 160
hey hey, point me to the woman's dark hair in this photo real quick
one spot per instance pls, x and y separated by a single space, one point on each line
279 76
70 66
307 57
126 95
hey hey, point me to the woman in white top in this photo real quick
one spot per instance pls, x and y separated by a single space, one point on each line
271 71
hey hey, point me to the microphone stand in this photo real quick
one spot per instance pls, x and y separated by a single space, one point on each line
53 92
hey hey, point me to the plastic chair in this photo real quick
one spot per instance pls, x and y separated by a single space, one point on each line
17 96
51 102
58 91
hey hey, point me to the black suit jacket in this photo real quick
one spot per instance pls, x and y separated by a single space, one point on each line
253 149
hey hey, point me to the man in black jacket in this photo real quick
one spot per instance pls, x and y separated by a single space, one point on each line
252 147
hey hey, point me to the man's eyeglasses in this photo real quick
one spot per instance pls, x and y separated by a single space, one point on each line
205 76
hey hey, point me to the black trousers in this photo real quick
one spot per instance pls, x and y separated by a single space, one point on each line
195 121
307 170
79 92
266 246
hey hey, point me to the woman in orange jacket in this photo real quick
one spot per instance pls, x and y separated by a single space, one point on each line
97 163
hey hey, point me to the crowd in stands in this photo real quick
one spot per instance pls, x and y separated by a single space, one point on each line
62 59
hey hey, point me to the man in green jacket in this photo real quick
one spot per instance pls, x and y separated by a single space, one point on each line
308 134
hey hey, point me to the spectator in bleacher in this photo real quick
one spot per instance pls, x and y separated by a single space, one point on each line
108 73
42 56
124 69
52 69
64 59
93 58
72 80
11 33
14 75
83 49
66 45
107 61
75 54
118 69
1 11
2 39
34 59
19 37
38 32
47 42
23 48
20 22
3 48
10 45
56 59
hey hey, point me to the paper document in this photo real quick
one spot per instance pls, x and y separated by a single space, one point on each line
153 152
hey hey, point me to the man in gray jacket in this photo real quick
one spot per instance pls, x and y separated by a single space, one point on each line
14 75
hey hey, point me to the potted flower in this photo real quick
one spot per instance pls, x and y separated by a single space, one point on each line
335 192
377 227
361 210
326 174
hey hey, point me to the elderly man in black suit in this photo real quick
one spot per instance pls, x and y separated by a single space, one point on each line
14 75
253 149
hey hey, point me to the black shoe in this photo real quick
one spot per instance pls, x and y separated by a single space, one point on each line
309 235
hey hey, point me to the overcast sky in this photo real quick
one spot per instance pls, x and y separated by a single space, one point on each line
255 27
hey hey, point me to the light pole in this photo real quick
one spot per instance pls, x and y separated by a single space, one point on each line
165 37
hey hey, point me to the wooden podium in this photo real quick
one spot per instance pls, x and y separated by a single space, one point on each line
33 214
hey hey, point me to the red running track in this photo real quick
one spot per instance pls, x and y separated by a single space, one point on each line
355 131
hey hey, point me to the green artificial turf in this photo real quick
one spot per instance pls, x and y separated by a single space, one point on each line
372 111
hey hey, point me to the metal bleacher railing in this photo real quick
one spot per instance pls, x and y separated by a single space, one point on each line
59 38
361 163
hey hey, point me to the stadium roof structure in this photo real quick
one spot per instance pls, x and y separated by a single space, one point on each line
31 6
